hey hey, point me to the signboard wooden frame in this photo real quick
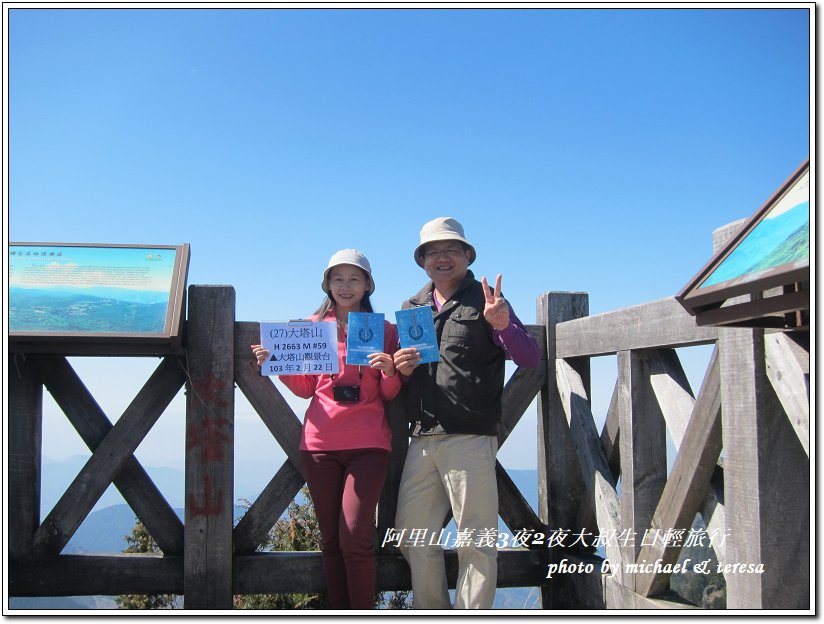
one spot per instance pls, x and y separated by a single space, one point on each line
776 278
97 299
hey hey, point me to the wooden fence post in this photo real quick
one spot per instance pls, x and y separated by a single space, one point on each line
766 483
207 573
560 484
388 503
25 430
766 479
643 447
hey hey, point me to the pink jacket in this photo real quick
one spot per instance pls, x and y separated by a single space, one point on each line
332 426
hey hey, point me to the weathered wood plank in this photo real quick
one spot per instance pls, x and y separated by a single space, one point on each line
766 483
264 397
610 437
620 597
93 426
674 398
97 575
596 591
560 485
767 312
388 502
519 392
643 451
673 391
108 459
658 324
687 483
25 433
559 475
790 382
259 573
714 513
513 508
282 572
594 466
210 436
611 434
581 590
253 528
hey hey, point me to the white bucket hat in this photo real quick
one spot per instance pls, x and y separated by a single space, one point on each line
348 256
442 228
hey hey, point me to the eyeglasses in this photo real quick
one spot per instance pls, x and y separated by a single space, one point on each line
451 252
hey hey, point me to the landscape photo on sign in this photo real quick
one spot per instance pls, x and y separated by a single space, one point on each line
54 288
780 238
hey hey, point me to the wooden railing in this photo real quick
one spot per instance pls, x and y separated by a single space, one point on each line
753 405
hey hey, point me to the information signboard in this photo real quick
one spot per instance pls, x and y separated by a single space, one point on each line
767 260
96 298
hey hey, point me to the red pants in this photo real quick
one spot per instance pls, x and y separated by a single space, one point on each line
345 487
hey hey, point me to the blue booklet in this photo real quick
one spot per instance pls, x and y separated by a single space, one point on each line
365 336
417 329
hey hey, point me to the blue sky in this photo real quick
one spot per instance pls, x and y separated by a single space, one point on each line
584 149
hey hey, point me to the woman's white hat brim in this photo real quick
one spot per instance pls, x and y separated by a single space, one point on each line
347 256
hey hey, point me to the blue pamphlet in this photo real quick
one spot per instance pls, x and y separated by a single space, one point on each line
365 336
417 329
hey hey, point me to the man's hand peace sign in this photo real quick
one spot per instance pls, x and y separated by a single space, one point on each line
496 310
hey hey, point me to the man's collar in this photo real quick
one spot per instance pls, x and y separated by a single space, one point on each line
426 295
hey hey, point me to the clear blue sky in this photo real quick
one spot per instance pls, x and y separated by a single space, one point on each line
584 150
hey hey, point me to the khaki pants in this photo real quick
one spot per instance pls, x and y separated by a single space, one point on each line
457 471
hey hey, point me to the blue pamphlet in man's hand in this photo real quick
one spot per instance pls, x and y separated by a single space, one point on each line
365 336
417 329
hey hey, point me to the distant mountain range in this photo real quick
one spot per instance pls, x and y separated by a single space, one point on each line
250 479
44 310
132 295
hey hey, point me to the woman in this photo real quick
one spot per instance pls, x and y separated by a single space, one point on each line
346 439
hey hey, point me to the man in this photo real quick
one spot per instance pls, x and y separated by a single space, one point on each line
454 406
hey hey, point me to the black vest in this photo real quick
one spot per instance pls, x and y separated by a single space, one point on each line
463 391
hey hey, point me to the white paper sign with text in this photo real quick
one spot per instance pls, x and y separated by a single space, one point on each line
300 348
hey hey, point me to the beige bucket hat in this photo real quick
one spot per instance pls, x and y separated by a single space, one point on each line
442 228
347 256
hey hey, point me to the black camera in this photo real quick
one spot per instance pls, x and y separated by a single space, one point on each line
346 394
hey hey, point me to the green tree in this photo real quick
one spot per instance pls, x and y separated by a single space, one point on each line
708 591
140 541
298 531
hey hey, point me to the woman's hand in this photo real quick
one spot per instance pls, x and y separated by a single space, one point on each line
406 360
382 362
261 354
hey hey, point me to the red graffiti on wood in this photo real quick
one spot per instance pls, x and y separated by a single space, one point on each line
210 437
212 505
208 391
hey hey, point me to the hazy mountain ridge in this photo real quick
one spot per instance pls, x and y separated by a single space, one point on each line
29 310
